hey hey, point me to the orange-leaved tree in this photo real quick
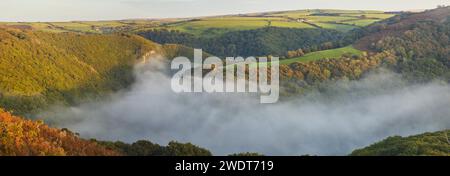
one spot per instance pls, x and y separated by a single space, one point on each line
21 137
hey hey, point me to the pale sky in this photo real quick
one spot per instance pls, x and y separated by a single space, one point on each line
66 10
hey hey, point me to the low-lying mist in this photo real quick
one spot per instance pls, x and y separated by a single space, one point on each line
349 115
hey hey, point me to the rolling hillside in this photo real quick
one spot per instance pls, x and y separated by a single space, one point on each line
419 40
428 144
405 26
273 33
258 42
342 20
415 45
43 64
40 68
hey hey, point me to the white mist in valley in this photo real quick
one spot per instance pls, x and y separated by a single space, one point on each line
349 115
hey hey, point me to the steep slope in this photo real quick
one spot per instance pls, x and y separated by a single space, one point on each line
410 35
257 42
415 45
38 68
428 144
420 41
19 137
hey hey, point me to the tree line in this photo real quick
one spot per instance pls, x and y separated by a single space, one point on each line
258 42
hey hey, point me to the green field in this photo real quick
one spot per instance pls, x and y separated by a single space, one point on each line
36 25
57 26
339 27
103 23
75 26
332 53
87 26
226 24
341 20
373 15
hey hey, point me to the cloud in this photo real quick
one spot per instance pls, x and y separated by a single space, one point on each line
346 116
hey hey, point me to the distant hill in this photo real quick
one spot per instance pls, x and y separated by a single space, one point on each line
342 20
428 144
271 33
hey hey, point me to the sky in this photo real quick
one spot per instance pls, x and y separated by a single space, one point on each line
67 10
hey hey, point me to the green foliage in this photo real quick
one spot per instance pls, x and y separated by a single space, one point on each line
39 68
187 149
259 42
174 50
147 148
422 70
423 39
420 41
428 144
332 53
202 27
298 77
246 154
342 20
362 22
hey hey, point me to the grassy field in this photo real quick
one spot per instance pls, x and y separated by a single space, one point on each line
57 26
362 22
103 23
373 15
199 27
341 20
87 26
37 26
75 26
332 53
339 27
225 24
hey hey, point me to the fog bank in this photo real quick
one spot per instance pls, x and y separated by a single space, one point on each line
349 115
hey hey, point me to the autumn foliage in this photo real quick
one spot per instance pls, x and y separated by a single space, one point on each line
20 137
